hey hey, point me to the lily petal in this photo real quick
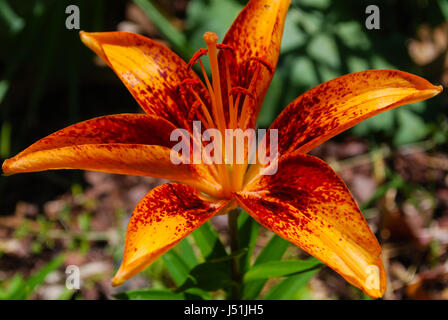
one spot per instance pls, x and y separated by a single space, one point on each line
339 104
149 70
132 159
306 203
166 215
120 128
256 33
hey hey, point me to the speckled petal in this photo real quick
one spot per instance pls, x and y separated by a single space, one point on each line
149 70
132 159
256 33
165 216
119 128
308 204
341 103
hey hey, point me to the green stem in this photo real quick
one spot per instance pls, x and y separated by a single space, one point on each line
236 270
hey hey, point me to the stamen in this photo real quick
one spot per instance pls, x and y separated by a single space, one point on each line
237 90
201 52
209 121
211 40
186 82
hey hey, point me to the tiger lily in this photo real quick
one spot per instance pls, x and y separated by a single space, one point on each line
305 202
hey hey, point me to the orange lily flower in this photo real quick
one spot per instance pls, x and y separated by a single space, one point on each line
305 202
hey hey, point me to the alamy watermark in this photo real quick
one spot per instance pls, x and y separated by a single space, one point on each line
239 147
73 280
373 20
73 20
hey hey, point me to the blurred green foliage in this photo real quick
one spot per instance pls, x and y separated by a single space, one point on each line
19 288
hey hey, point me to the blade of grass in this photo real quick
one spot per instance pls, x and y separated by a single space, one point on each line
38 278
443 4
208 242
26 45
247 238
186 251
150 294
5 140
12 20
174 36
273 251
282 268
47 62
176 266
287 288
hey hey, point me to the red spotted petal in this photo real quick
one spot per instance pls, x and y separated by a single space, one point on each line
150 71
306 203
341 103
255 37
132 159
120 128
165 216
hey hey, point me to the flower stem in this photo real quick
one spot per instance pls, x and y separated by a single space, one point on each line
236 270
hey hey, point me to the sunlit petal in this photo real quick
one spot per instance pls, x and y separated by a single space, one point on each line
309 205
150 71
120 128
166 215
341 103
132 159
256 33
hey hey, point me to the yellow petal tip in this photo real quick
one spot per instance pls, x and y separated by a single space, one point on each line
92 44
119 278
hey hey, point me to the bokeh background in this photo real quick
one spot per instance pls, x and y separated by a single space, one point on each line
395 164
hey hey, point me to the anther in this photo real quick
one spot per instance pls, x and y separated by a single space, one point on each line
187 82
201 52
236 90
263 62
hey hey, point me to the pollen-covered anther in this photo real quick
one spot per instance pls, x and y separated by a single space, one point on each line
238 90
263 62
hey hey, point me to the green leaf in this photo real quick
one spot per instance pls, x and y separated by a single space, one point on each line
273 251
38 278
150 294
7 14
443 4
411 128
5 139
176 266
324 50
289 287
208 276
208 242
223 13
247 238
274 269
15 286
186 251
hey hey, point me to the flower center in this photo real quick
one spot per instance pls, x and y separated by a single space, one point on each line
229 104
